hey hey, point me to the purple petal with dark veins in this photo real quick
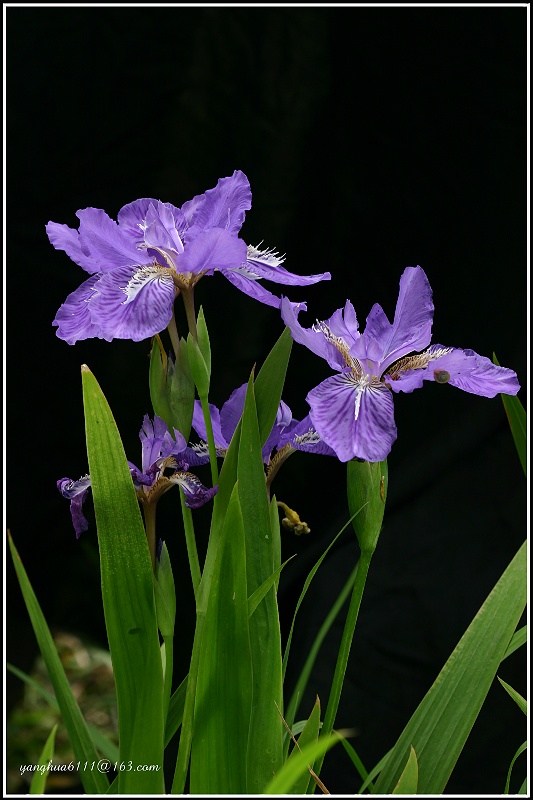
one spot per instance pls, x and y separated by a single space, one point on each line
74 318
411 330
196 494
68 239
355 422
108 246
303 436
157 442
223 207
133 302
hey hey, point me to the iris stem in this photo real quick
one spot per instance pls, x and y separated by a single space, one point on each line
344 650
190 541
188 302
174 336
169 667
149 524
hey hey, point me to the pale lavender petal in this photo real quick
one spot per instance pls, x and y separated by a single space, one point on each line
196 494
223 207
211 250
132 216
408 381
267 264
355 422
471 372
157 442
76 492
74 319
252 288
315 339
134 302
411 330
160 230
68 239
231 412
107 244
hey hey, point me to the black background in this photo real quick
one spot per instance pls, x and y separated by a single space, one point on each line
373 139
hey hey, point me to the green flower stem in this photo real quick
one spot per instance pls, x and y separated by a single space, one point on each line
184 750
190 541
344 651
149 524
188 302
174 336
210 440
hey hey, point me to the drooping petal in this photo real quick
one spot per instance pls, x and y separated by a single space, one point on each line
196 494
74 318
252 288
107 244
133 302
411 330
224 207
355 421
267 264
211 250
317 339
68 239
76 492
471 372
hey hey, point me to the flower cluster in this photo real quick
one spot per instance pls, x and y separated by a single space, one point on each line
155 251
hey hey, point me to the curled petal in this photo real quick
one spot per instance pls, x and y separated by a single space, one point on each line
76 492
74 318
471 372
196 494
355 421
68 239
267 264
224 207
133 302
320 338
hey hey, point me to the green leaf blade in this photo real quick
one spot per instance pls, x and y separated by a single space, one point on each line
128 598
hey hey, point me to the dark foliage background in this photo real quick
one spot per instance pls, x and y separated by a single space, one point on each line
374 139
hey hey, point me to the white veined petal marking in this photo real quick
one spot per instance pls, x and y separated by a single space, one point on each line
143 276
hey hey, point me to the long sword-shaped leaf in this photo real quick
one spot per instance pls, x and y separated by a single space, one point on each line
83 747
516 414
265 747
38 782
442 722
224 683
128 597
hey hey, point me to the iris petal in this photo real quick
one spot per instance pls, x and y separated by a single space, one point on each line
74 318
108 246
133 303
355 422
224 206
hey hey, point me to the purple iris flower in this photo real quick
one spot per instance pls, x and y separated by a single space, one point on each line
353 411
160 471
138 265
287 434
